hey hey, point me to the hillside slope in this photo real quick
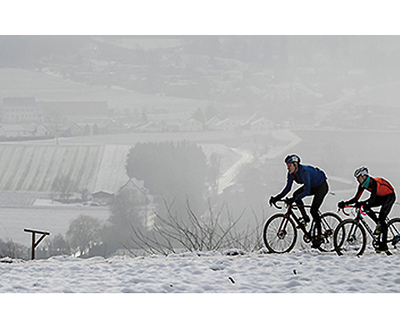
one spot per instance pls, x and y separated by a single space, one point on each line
47 87
33 168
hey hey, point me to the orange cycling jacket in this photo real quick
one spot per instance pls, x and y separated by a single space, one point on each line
377 186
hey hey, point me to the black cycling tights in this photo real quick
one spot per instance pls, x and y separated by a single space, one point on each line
386 202
319 194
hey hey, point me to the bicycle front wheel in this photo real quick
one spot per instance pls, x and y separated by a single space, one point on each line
329 222
279 234
349 238
393 236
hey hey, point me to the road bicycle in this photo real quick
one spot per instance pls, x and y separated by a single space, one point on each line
350 236
280 230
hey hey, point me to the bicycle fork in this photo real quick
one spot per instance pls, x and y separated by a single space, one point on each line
395 234
282 227
352 236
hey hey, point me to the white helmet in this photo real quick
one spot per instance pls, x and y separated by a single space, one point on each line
360 171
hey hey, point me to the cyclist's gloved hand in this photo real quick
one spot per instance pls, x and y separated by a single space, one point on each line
290 200
273 200
359 204
363 203
341 204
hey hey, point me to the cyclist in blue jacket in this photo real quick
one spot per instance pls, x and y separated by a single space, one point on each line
314 183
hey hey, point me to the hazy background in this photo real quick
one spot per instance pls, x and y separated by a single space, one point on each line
227 18
334 100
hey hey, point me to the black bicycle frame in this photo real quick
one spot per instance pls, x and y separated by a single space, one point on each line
291 213
360 219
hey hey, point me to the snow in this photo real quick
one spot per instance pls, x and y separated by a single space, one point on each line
268 285
301 271
33 167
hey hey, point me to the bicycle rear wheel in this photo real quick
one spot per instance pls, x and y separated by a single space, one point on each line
329 222
393 237
279 234
349 238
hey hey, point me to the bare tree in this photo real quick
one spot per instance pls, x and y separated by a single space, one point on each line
84 194
58 245
13 250
64 186
83 233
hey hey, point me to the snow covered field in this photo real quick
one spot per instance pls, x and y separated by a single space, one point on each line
306 271
54 219
154 277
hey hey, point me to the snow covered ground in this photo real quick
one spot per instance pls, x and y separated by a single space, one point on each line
306 271
154 277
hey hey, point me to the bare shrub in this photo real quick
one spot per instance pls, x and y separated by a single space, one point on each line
58 245
216 230
12 250
63 185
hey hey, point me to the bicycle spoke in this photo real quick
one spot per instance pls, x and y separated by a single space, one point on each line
329 222
393 238
280 234
349 238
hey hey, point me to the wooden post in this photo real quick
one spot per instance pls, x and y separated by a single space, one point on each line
36 243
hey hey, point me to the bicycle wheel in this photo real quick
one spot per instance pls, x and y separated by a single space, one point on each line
393 238
279 234
349 238
329 222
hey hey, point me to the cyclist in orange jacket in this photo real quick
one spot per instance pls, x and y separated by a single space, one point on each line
382 194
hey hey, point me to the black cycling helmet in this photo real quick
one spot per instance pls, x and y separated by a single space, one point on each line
292 158
360 171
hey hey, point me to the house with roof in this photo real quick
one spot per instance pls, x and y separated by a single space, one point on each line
228 124
255 116
12 131
89 128
100 126
261 124
150 127
136 186
105 196
170 124
36 130
210 124
102 197
108 126
24 130
69 130
192 125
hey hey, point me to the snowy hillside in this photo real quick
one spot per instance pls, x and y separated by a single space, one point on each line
258 277
34 167
306 271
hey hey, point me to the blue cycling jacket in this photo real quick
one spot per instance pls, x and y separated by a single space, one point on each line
307 175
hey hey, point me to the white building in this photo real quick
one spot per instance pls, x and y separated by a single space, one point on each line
21 110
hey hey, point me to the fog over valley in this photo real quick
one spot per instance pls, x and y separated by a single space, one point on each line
126 138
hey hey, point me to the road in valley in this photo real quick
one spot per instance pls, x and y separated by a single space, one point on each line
228 177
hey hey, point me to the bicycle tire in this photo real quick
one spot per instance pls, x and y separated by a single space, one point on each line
350 238
277 241
329 223
393 237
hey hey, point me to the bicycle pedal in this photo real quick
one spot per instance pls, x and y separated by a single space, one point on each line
301 225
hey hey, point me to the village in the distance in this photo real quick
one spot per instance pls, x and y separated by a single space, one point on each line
75 106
